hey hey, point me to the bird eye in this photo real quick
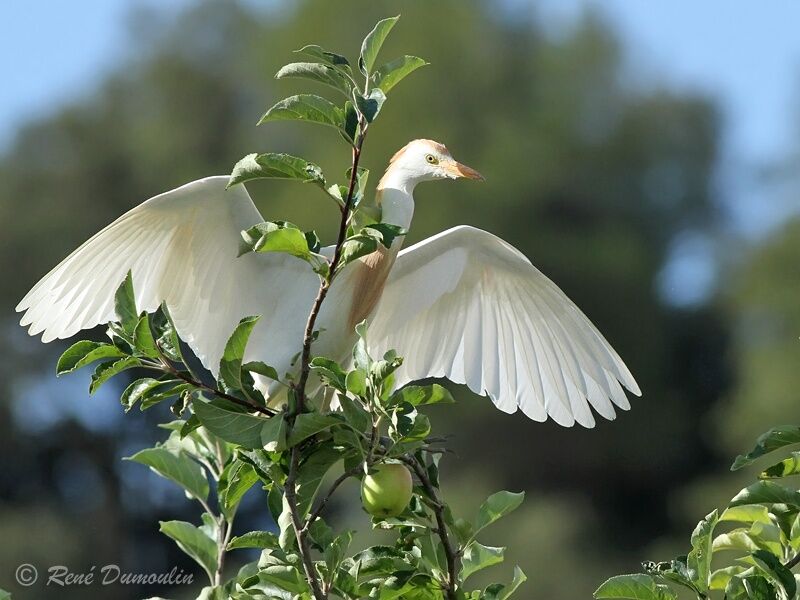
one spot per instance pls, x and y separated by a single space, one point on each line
431 159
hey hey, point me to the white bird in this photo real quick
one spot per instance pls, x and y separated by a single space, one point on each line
463 304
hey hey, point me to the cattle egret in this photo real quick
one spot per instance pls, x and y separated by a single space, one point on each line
463 304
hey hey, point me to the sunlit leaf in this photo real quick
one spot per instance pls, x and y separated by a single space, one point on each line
496 507
774 439
320 73
634 587
235 427
766 492
273 165
254 539
477 557
331 58
107 370
371 104
230 365
418 395
393 72
699 559
194 542
125 305
177 467
306 107
83 353
371 45
308 424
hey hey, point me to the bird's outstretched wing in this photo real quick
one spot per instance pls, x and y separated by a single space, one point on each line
181 248
468 306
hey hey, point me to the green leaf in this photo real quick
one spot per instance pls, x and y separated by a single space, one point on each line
766 492
143 338
371 45
4 595
273 165
254 539
331 58
477 557
392 73
496 507
719 579
238 477
349 130
634 587
385 233
371 104
230 365
234 427
287 578
327 75
699 559
356 382
772 566
170 388
355 247
166 336
738 539
277 236
107 370
177 467
125 305
748 513
329 372
193 541
256 366
306 107
83 353
308 424
312 470
501 592
774 439
138 390
418 395
273 434
785 468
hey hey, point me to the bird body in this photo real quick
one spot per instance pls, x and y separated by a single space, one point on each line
463 304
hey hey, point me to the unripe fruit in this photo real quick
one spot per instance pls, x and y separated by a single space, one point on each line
386 491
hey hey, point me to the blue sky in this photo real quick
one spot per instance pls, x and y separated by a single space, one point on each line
742 53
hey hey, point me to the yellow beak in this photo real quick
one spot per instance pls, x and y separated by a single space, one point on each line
459 170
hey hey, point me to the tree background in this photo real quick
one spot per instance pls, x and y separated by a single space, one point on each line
595 178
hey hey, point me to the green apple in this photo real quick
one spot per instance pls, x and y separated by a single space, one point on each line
386 491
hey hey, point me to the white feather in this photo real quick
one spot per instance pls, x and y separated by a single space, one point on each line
467 306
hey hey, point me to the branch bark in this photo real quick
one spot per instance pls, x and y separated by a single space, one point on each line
300 524
451 555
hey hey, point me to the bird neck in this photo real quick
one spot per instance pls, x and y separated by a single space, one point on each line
395 197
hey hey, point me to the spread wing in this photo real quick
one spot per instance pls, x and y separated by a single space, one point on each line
181 249
468 306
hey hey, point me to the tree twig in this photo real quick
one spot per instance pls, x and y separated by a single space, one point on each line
290 487
166 367
451 555
792 562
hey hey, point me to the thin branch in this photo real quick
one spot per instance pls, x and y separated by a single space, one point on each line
792 562
451 555
315 514
290 486
166 367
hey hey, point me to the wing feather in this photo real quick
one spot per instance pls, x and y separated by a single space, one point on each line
181 248
467 306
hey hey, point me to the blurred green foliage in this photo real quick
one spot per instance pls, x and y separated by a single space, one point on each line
590 176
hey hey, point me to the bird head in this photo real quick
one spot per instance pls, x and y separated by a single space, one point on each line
426 160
